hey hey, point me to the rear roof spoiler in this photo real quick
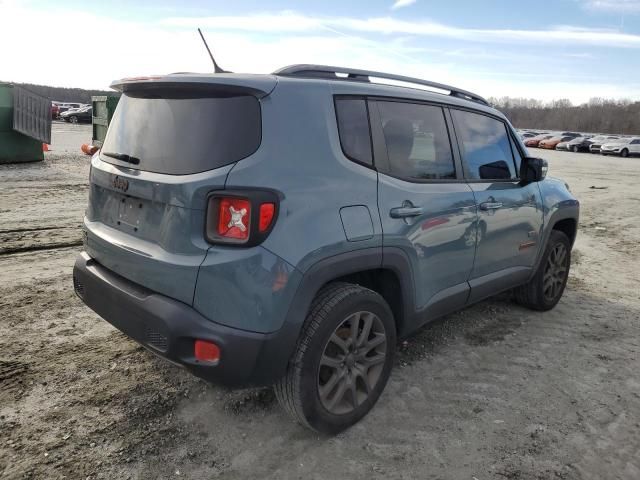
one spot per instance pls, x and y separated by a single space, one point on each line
256 85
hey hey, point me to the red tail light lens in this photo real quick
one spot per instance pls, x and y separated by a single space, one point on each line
267 211
242 217
234 218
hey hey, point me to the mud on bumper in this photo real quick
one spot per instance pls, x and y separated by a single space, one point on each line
169 328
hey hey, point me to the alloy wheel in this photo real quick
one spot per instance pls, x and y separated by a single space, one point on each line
352 362
555 272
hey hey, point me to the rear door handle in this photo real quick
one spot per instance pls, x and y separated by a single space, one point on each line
404 212
490 205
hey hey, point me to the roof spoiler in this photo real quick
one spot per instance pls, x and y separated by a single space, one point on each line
256 85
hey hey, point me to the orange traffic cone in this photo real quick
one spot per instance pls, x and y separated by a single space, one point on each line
45 147
88 149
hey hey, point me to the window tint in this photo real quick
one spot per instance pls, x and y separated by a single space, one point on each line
417 141
353 128
635 142
174 132
485 146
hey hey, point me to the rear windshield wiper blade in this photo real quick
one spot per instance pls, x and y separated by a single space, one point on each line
123 157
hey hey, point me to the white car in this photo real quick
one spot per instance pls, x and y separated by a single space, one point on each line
623 147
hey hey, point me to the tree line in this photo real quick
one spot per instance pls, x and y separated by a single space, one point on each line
62 94
598 115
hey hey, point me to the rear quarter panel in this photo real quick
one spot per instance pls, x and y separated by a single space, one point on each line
301 157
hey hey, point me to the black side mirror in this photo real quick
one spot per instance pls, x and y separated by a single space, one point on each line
533 169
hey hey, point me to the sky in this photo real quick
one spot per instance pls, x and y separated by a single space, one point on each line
543 49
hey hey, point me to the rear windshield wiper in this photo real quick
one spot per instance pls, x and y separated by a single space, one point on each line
123 157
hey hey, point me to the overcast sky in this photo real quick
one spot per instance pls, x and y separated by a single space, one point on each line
543 49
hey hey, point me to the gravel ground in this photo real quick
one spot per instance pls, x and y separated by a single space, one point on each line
68 138
492 392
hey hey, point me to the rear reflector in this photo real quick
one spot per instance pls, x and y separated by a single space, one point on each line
266 216
206 351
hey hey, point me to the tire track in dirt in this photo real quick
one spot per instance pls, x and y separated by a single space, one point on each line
22 240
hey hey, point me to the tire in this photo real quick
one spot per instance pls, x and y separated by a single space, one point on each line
545 289
575 149
73 119
624 153
323 366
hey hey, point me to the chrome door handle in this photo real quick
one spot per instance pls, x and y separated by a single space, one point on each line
490 205
404 212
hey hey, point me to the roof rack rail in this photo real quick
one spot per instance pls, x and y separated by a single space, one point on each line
325 71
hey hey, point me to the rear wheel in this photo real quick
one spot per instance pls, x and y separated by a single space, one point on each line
74 119
545 289
342 361
624 153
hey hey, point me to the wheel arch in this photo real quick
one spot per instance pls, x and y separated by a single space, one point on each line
565 219
568 226
389 275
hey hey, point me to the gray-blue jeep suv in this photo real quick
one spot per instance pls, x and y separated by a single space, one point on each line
287 229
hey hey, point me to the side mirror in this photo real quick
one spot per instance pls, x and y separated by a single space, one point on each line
533 169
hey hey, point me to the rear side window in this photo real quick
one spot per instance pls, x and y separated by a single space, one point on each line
353 128
417 141
178 132
485 145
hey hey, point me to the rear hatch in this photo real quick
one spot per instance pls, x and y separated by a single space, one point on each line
171 141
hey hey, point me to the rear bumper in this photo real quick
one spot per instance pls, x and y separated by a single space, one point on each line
168 328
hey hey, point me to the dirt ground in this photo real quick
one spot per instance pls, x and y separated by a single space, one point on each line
492 392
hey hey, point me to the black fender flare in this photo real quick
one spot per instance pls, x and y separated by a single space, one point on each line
276 353
568 209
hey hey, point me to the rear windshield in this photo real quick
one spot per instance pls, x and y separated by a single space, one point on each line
177 133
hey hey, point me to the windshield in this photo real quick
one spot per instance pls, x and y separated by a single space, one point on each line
170 131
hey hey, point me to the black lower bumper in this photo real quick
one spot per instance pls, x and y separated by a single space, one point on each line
169 328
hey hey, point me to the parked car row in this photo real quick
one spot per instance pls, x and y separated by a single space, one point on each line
577 142
71 111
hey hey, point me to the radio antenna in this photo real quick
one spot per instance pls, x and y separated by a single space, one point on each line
216 67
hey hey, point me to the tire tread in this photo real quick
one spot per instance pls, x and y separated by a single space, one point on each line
530 295
288 388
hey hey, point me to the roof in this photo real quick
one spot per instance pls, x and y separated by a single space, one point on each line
343 80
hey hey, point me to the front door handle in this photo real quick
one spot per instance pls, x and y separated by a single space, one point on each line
490 205
405 212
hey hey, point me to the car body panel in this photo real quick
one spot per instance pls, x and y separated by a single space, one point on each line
151 233
512 230
436 242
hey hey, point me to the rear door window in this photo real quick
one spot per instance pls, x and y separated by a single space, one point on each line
179 132
417 141
353 128
485 146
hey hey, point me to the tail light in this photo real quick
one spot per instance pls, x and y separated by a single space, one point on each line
234 218
241 217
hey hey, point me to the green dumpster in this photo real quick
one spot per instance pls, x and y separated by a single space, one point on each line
25 124
103 108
